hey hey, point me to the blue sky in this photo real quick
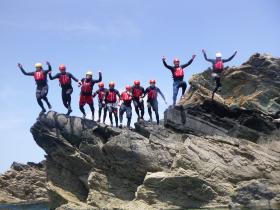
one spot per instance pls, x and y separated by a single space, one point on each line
125 39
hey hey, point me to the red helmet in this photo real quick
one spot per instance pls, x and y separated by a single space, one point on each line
62 67
152 81
176 60
128 88
101 84
111 84
136 82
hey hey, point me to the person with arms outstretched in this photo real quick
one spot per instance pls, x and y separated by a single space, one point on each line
42 89
65 82
152 92
86 96
217 68
178 76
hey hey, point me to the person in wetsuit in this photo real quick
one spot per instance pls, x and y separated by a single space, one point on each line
137 92
126 106
178 76
42 89
65 82
86 96
101 100
217 68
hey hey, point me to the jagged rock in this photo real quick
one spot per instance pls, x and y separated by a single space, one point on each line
24 183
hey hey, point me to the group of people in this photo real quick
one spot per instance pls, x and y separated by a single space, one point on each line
109 99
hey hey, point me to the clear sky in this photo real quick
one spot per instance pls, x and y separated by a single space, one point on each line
125 39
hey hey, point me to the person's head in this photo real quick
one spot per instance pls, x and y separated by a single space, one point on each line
152 83
176 62
127 88
218 56
137 83
38 66
62 68
101 85
89 75
111 85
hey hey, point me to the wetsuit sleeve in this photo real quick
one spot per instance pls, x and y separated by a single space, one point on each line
159 91
118 93
95 93
72 77
209 60
54 77
167 66
49 69
145 92
99 79
230 58
27 73
187 64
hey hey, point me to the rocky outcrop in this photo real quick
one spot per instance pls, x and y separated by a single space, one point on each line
24 183
153 167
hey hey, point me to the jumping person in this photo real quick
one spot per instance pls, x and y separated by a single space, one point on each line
86 92
65 82
40 77
111 103
126 106
101 100
217 68
178 76
152 91
137 93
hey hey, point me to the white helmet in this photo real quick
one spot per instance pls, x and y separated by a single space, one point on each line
218 55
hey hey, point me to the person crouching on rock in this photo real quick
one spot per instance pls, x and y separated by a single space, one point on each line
217 68
126 106
40 77
86 97
111 103
152 102
65 82
101 100
178 76
137 93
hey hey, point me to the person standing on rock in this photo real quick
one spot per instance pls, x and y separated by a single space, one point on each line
178 76
42 89
101 99
65 82
217 68
86 97
111 103
126 98
152 91
137 93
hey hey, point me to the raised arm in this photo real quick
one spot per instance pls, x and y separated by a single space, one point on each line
100 77
49 67
165 64
24 72
230 58
205 56
189 63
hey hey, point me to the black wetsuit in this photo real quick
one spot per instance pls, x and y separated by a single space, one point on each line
137 92
126 108
152 101
217 73
178 81
42 86
111 105
65 81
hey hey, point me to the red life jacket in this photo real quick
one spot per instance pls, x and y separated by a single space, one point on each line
137 92
219 65
111 97
39 76
126 97
64 79
86 87
152 94
101 94
179 72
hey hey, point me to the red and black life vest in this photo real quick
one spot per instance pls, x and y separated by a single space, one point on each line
179 72
111 97
152 94
126 97
137 92
101 94
219 65
64 79
86 87
39 76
